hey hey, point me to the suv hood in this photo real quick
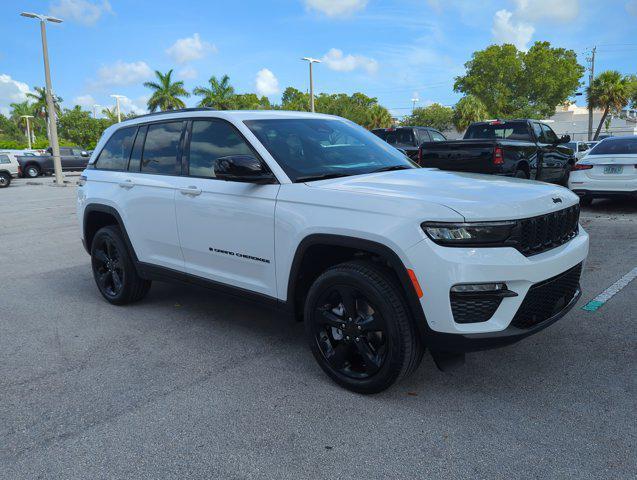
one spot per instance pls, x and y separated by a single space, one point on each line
474 196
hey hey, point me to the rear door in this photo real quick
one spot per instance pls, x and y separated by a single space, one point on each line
226 228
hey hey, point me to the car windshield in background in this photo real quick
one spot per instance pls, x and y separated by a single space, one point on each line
398 136
616 146
313 149
500 130
572 146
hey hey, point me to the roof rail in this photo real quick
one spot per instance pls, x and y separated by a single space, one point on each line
180 110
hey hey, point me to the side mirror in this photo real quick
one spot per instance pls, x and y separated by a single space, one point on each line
49 151
84 153
242 168
564 139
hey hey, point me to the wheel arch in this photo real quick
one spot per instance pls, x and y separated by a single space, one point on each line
96 216
311 253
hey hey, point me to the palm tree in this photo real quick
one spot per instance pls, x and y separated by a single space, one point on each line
220 95
39 105
609 91
166 92
468 110
377 117
110 114
18 110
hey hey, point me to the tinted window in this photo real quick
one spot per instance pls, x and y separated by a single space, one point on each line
437 136
4 159
499 130
138 146
399 136
582 147
161 148
66 151
549 134
571 145
211 140
114 155
423 136
616 146
318 147
537 129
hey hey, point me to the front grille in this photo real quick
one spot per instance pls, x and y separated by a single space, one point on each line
539 234
473 308
547 298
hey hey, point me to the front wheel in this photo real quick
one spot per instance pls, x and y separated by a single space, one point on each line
359 327
5 180
113 268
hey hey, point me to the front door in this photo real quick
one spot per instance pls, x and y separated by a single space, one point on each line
226 228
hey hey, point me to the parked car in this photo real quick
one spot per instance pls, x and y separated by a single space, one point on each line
9 168
580 149
72 158
609 170
591 143
318 217
408 139
514 148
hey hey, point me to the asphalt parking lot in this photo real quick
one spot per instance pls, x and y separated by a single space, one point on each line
192 384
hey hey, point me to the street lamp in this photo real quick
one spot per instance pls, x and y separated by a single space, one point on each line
117 97
413 103
27 117
311 60
53 129
95 106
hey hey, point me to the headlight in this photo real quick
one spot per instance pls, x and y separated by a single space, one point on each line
483 234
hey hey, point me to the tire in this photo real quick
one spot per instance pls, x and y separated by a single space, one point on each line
5 180
113 268
586 201
32 171
372 348
521 174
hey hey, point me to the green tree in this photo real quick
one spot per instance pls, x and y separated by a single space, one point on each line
220 95
513 83
294 99
166 93
250 101
378 117
78 127
469 109
434 115
39 102
610 92
110 114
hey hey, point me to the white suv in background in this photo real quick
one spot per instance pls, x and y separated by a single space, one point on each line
9 168
317 216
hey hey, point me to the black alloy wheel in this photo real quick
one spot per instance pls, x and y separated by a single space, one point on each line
107 264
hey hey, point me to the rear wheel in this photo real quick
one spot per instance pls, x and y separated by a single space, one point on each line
5 180
32 171
359 327
113 268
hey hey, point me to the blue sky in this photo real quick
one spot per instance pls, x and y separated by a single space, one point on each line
393 50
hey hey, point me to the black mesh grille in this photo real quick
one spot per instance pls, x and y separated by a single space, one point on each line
473 309
547 298
539 234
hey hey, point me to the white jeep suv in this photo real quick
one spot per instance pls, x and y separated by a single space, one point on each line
315 215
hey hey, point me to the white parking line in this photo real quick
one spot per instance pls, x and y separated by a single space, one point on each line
611 291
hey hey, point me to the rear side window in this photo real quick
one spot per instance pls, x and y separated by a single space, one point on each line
619 146
549 134
211 140
4 159
114 155
161 148
437 136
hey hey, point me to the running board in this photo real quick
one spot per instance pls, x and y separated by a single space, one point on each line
447 361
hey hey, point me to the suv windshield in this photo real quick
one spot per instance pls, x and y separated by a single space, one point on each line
398 136
312 149
499 130
616 146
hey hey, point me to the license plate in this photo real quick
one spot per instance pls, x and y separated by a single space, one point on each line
613 170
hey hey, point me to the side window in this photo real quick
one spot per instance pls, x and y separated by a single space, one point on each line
537 130
138 146
211 140
65 151
437 136
114 155
423 136
582 147
549 134
161 148
4 159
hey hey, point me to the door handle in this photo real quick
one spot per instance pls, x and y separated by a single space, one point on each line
192 191
127 184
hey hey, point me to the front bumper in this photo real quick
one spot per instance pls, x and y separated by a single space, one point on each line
439 268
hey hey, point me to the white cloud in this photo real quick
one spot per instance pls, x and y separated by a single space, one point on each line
336 8
137 106
187 73
507 30
11 91
190 48
533 10
122 73
80 11
336 60
266 83
631 7
86 101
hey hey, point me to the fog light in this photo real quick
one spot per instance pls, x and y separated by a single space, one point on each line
478 287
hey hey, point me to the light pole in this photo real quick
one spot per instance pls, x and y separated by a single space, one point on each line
95 105
413 103
311 60
117 97
53 129
27 117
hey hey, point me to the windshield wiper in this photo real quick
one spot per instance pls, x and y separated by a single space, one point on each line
321 176
393 167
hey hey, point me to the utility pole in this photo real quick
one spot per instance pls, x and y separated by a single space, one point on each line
27 117
413 103
311 60
591 77
95 109
119 115
50 106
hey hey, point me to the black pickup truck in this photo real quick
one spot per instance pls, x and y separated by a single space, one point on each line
72 158
408 139
515 148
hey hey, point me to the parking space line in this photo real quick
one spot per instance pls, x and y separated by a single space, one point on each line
610 292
